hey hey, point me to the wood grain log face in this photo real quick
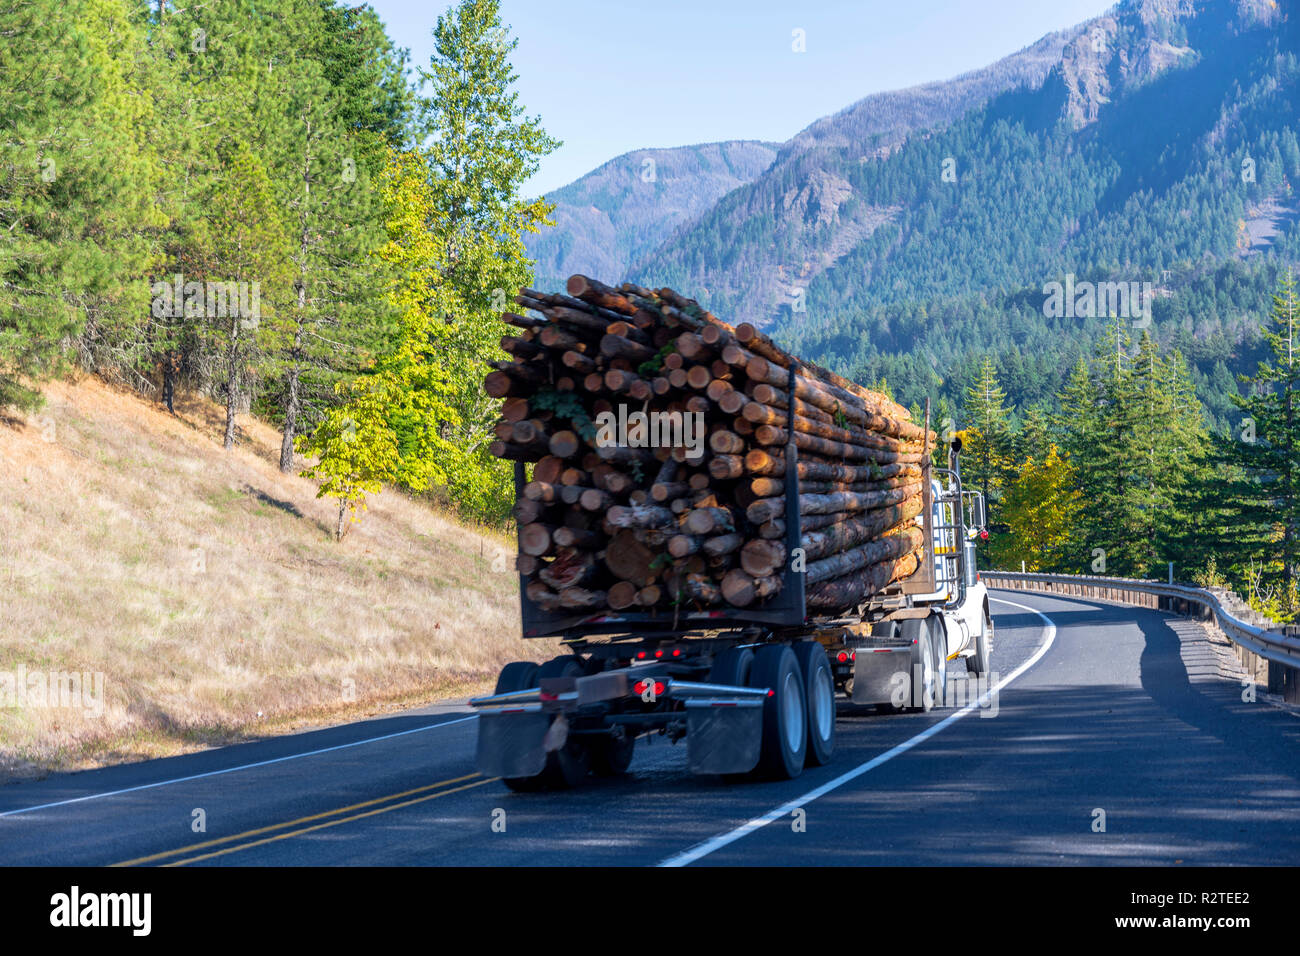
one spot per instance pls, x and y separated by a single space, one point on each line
655 526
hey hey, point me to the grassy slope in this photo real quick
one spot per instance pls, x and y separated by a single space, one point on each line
206 587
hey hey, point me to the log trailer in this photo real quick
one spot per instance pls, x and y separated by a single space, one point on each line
754 691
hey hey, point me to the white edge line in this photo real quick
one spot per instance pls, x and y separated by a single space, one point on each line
718 842
247 766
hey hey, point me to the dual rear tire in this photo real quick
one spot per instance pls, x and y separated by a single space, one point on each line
798 714
799 711
568 765
927 683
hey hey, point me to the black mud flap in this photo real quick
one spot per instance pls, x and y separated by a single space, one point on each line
880 676
723 736
510 742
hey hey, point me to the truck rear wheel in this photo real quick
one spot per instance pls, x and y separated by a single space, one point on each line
520 675
940 642
978 663
916 630
568 766
819 690
785 712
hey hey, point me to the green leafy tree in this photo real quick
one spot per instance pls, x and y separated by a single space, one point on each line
355 448
73 181
252 247
987 445
481 150
1266 507
419 391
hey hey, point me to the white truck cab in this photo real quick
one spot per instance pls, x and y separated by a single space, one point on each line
938 615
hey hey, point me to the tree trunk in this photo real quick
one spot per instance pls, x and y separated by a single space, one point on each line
169 373
232 386
342 528
291 389
290 421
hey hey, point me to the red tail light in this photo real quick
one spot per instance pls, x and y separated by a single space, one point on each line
842 656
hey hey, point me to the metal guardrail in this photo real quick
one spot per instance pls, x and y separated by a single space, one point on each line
1270 645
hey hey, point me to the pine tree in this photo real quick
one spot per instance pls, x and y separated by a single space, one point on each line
333 324
1169 443
1268 506
1082 427
251 244
72 177
986 463
1035 434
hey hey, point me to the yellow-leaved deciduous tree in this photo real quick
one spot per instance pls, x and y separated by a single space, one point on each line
1041 509
355 448
388 426
414 375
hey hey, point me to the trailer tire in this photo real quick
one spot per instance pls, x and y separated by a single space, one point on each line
819 692
517 675
568 766
520 675
732 667
610 757
785 712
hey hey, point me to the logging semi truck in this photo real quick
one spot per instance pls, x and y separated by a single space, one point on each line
754 690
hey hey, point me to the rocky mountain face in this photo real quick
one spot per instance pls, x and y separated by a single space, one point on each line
620 212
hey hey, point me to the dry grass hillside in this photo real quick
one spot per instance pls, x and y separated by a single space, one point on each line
206 588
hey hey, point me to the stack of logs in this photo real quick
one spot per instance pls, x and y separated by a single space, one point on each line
700 524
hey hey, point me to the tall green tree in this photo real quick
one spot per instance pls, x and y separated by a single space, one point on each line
1267 506
334 322
72 181
481 150
986 459
252 245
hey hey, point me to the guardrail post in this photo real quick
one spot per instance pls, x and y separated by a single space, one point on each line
1284 681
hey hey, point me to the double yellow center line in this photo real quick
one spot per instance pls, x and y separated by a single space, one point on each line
293 828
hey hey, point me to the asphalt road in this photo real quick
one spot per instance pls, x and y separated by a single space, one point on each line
1105 708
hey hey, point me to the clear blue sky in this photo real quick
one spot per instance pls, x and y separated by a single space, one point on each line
610 76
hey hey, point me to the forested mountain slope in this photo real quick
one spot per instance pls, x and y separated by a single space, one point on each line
914 232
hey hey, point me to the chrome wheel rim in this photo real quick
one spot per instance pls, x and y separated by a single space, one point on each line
823 705
927 673
792 706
